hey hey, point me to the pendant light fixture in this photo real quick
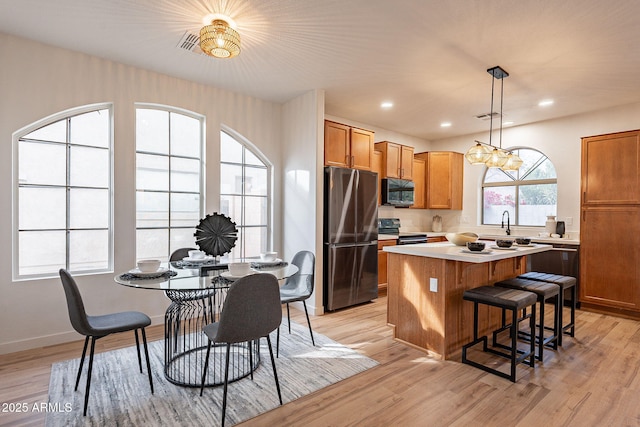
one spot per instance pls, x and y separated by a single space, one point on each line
490 156
219 39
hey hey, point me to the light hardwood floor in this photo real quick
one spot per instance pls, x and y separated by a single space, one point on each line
591 381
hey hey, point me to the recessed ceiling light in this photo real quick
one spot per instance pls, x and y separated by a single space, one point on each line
386 104
445 124
507 123
545 103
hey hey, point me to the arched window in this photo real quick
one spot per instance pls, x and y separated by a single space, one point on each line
528 194
169 171
63 194
245 194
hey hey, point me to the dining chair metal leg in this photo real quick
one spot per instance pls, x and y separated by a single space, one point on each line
204 370
86 391
308 322
135 331
84 353
275 372
251 357
278 342
146 354
226 384
289 317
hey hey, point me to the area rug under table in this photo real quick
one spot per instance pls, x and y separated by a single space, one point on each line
120 394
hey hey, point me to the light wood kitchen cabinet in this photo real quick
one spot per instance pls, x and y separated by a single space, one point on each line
377 167
610 170
382 262
610 223
347 146
444 179
610 257
397 160
419 182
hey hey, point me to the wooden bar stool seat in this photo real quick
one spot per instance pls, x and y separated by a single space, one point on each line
506 299
565 282
543 291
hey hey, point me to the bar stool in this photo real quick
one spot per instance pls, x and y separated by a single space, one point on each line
543 291
565 282
506 299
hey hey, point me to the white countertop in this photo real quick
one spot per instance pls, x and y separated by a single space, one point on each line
449 251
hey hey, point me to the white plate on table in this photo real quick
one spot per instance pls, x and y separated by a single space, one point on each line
504 249
136 272
197 260
530 245
482 252
227 275
267 263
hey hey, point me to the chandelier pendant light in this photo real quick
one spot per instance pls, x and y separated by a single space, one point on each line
490 156
219 40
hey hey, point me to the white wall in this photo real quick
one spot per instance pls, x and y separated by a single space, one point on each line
38 80
303 143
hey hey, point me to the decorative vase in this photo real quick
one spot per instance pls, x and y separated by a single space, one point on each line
560 229
550 224
436 224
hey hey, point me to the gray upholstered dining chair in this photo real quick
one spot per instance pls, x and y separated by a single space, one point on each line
95 327
299 287
252 310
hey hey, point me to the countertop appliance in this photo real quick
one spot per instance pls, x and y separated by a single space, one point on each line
350 237
397 192
392 226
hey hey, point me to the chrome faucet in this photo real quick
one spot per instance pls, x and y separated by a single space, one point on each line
502 226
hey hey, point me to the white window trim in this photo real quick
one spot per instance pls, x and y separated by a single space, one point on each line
270 174
517 185
203 146
14 188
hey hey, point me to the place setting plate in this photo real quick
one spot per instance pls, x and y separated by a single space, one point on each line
273 263
482 252
227 275
137 273
511 248
198 260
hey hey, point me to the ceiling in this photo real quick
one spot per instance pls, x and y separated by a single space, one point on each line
428 57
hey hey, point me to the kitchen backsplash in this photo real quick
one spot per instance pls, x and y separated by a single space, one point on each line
456 221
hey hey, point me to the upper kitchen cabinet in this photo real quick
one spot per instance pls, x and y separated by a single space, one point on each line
377 167
397 160
420 183
610 169
347 147
444 176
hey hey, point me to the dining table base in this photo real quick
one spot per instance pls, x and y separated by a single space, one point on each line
186 344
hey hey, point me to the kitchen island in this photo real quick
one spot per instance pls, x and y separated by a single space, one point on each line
426 283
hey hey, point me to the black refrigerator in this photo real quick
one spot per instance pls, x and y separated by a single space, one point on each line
350 237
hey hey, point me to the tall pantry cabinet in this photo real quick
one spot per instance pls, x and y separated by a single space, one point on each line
610 223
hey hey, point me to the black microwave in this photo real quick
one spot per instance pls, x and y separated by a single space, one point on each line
397 192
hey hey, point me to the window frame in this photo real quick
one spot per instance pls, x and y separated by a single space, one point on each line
268 165
66 115
517 183
201 182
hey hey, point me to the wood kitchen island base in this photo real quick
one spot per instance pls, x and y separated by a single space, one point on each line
441 322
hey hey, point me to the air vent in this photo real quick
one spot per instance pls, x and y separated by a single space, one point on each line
190 42
487 116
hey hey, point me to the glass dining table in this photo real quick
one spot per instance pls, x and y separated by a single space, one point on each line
197 292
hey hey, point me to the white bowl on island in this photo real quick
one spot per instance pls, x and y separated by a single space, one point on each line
461 239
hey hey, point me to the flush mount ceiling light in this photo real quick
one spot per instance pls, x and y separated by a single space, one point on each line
488 155
219 40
